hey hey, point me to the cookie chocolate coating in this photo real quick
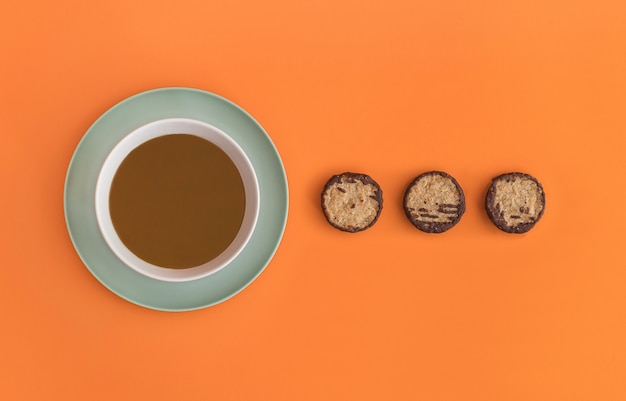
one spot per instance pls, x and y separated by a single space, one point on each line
434 202
352 202
515 202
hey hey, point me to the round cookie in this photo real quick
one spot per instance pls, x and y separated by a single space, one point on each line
352 202
434 202
515 202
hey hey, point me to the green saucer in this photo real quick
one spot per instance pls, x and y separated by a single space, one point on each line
79 198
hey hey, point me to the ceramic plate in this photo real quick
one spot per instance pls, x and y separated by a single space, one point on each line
79 198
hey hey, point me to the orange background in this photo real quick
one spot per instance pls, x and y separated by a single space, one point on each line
391 89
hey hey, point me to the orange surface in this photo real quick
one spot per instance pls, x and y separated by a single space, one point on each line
391 89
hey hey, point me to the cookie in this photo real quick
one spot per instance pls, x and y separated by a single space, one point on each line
352 202
434 202
515 202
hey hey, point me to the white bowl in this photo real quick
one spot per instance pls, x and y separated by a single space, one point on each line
157 129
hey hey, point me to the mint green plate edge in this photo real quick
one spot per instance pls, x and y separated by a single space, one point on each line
107 131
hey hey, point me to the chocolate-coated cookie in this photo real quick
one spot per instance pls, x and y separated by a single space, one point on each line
352 202
434 202
515 202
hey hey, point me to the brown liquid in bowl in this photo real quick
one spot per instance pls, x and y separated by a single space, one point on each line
177 201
